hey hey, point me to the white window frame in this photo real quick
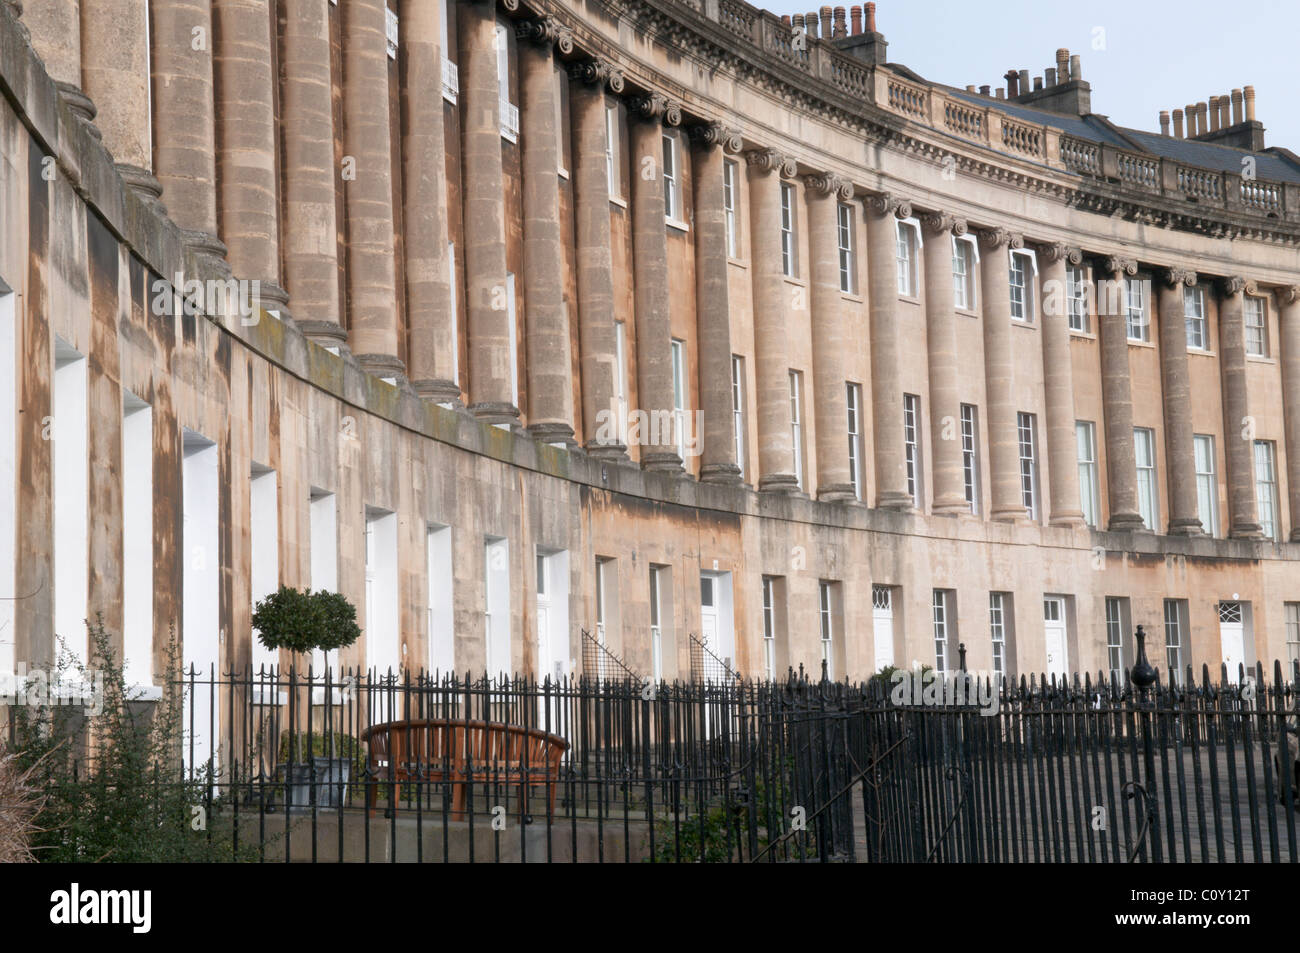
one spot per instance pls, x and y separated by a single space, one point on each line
769 628
1254 321
826 615
1115 638
1136 319
679 395
450 72
674 208
1173 618
906 244
730 191
789 231
613 159
912 446
963 274
998 633
1194 316
1022 269
1147 489
796 423
512 337
738 408
1291 624
1207 482
853 408
970 466
656 625
939 609
1265 462
1077 299
454 312
1085 446
620 375
844 238
509 111
1027 443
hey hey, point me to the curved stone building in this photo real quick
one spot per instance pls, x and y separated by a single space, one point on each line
716 335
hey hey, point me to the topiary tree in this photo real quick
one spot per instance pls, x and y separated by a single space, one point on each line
300 620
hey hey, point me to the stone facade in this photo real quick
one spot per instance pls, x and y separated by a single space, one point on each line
508 230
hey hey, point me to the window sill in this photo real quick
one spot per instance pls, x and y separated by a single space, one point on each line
1146 344
674 223
1253 359
1084 335
1200 352
850 296
738 262
792 280
1022 323
562 172
967 312
910 299
615 200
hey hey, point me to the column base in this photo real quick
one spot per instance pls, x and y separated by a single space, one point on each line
837 493
553 433
142 183
1127 523
274 298
1009 514
81 106
210 250
438 390
1070 518
325 333
611 452
666 461
724 474
1188 526
779 483
1246 531
895 500
495 412
386 366
950 506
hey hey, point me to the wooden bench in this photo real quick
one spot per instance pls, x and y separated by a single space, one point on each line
461 753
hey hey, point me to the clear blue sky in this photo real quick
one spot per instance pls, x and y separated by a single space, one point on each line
1141 56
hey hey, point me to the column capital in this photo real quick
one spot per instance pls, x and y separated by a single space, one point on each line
654 107
597 71
1174 276
994 238
715 133
885 204
827 184
546 31
1118 264
769 160
936 223
1234 285
1289 294
1053 252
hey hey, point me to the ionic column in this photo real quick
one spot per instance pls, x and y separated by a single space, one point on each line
372 281
1289 322
823 194
1058 386
1239 449
311 267
771 322
55 28
1117 398
882 213
431 353
654 369
485 210
1004 448
246 132
185 156
550 390
1176 383
941 340
712 301
115 74
602 433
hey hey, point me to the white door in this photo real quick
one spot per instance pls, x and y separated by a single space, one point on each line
1054 636
882 622
1232 636
709 613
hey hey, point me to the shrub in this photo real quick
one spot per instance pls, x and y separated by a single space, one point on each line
20 804
112 777
301 621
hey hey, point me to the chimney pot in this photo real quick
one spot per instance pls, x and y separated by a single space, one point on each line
1038 83
985 90
1249 93
785 18
1024 81
870 11
1063 65
840 28
970 89
797 20
1164 122
1076 69
1236 107
1202 117
1050 75
1013 82
1178 123
1001 93
810 23
1223 112
828 26
1214 114
855 20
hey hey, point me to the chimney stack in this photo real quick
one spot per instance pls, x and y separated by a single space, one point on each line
1214 114
1178 123
985 90
1038 84
810 23
1203 117
827 23
797 21
1063 65
855 20
1190 112
1013 81
1164 122
1076 70
785 18
1236 107
1001 93
1050 75
1024 81
1249 93
840 28
1224 122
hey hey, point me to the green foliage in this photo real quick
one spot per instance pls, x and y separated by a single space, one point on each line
721 832
112 776
301 621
